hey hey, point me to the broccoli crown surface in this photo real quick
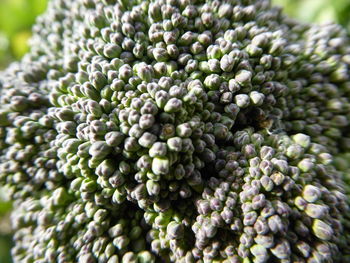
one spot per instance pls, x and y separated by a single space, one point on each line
177 131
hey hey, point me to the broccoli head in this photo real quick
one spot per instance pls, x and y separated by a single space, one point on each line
183 131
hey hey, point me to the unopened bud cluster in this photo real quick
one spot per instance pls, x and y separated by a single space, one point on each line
178 131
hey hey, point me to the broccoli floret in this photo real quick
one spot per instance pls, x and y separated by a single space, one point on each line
178 131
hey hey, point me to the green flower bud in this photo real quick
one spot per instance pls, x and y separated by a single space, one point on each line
281 165
131 144
153 188
316 211
220 131
243 77
76 184
88 186
144 71
259 252
116 230
135 131
281 250
213 51
267 152
322 230
266 167
311 193
173 105
277 46
129 257
326 158
275 223
294 151
121 242
71 145
306 165
99 150
254 50
100 215
125 71
60 196
212 82
158 149
112 50
303 248
214 65
114 138
87 258
184 130
113 259
187 38
147 140
267 241
160 54
205 38
175 144
242 100
98 80
146 121
175 230
106 168
257 98
160 165
226 98
117 84
204 66
118 197
250 218
302 139
300 203
145 257
161 98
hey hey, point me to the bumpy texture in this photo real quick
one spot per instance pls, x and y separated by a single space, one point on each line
177 131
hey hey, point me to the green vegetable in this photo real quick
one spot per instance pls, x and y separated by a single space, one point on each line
177 131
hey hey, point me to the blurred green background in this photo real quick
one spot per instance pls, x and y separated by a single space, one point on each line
17 17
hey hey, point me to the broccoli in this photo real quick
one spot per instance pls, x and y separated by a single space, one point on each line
177 131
